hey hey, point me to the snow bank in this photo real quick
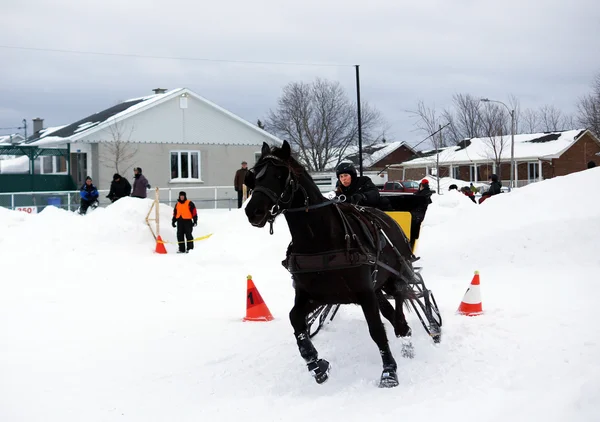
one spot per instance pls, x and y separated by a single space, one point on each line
94 326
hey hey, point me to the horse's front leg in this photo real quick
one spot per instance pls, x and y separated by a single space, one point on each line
319 368
368 302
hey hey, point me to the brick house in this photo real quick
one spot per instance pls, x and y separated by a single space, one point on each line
379 156
537 157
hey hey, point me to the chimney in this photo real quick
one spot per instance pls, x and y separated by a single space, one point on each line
38 124
159 90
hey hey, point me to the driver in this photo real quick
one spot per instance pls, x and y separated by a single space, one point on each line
358 190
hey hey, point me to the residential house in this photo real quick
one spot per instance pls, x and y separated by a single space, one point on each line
177 137
11 139
537 157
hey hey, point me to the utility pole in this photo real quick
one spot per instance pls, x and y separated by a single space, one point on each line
438 160
360 161
25 127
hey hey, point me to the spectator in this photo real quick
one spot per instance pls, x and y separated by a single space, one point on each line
495 188
418 213
238 182
119 188
89 196
140 184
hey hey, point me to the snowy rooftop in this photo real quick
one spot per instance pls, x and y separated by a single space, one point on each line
13 138
527 146
373 153
88 123
98 121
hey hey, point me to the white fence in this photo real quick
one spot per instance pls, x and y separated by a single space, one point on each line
205 197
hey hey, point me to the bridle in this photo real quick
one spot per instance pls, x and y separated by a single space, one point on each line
291 184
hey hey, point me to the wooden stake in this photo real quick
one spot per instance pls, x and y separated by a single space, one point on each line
155 205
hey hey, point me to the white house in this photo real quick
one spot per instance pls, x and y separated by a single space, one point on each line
177 137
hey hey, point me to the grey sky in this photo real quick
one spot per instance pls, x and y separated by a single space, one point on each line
544 52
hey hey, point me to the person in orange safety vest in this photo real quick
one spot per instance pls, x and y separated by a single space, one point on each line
185 216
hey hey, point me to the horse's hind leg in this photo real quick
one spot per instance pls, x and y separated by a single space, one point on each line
368 302
401 327
319 368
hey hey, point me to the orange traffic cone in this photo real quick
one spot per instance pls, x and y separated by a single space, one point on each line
471 303
160 246
256 308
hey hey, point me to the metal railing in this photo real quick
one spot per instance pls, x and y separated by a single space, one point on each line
205 197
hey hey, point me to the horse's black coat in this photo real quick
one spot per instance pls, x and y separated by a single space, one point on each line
279 184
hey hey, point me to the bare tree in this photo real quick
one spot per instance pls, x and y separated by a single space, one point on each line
495 122
119 150
468 116
320 122
588 108
531 120
551 118
428 121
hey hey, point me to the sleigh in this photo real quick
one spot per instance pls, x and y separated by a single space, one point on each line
422 302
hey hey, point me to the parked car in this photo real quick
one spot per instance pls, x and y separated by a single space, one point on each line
407 186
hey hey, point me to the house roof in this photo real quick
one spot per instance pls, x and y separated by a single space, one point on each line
100 120
533 146
373 153
14 137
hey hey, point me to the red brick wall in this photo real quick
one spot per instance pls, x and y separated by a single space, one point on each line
411 174
577 157
401 155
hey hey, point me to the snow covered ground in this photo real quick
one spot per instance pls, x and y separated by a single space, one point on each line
94 326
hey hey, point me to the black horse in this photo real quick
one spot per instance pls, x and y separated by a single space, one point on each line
339 254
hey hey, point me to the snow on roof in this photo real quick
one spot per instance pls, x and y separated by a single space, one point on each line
98 121
373 153
14 137
533 146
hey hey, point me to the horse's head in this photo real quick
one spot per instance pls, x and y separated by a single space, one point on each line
274 182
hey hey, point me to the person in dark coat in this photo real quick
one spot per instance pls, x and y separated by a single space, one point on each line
358 190
418 213
238 182
140 184
119 188
185 218
89 196
495 188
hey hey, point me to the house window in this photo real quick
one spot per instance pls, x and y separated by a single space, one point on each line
185 165
53 165
472 170
455 172
533 171
256 157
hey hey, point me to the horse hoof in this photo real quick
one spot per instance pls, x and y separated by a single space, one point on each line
319 370
389 379
403 331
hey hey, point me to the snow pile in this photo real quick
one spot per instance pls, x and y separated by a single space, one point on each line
445 183
15 165
94 326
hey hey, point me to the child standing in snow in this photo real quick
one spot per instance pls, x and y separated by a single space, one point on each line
89 196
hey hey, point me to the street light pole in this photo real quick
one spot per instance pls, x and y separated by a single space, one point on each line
512 139
360 160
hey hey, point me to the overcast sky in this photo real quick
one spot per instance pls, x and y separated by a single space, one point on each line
543 52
